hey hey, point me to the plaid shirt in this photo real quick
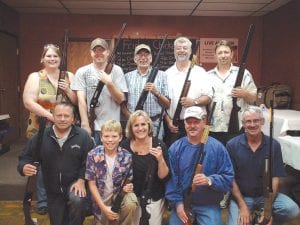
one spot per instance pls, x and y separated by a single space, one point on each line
136 82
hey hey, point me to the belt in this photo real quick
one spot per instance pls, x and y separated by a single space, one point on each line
154 118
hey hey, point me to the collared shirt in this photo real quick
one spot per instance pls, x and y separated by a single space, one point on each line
136 82
200 86
222 87
96 169
249 166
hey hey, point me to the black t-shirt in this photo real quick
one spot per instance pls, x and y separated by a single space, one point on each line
140 167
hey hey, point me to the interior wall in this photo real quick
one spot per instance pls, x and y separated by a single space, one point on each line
37 29
281 48
9 20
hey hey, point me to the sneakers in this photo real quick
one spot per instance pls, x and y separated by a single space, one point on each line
225 202
42 210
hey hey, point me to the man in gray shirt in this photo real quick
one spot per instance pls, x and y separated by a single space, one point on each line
113 93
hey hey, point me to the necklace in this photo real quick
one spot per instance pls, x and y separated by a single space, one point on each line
141 147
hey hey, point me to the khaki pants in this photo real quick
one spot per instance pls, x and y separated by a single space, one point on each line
128 208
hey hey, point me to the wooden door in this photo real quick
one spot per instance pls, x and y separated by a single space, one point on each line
78 55
9 84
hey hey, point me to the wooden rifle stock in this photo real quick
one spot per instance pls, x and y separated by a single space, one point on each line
100 85
31 181
198 169
184 92
151 78
116 206
63 73
234 127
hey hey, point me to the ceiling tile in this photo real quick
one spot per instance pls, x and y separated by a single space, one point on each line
163 5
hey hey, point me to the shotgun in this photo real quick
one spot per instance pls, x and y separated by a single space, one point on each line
116 206
60 94
234 127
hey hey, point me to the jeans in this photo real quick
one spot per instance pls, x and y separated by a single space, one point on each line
40 190
284 209
204 215
155 128
97 139
67 209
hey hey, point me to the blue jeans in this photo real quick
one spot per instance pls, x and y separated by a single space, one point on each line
155 129
67 209
204 215
284 209
97 139
40 190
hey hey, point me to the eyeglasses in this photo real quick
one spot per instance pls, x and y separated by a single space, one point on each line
250 122
47 46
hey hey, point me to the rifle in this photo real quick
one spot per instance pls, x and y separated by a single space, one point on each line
60 94
145 196
31 182
185 89
116 205
151 78
198 169
263 216
100 85
234 127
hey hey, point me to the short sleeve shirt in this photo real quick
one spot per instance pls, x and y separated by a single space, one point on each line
86 79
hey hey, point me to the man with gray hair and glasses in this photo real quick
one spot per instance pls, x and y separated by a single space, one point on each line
248 152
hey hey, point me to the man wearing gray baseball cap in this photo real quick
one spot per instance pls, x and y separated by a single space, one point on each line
209 185
137 81
113 93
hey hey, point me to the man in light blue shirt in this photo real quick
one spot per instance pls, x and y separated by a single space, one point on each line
137 81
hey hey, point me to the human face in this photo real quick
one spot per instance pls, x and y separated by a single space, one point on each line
63 117
224 55
110 140
51 59
182 51
99 54
194 127
143 59
252 124
140 128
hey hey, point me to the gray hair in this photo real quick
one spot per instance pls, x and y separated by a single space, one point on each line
183 40
252 109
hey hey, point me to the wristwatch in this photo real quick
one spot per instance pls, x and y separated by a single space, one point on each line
196 102
209 182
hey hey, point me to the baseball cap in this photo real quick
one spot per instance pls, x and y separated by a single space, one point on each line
140 47
195 112
99 42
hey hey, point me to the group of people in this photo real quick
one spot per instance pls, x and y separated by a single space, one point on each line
85 169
